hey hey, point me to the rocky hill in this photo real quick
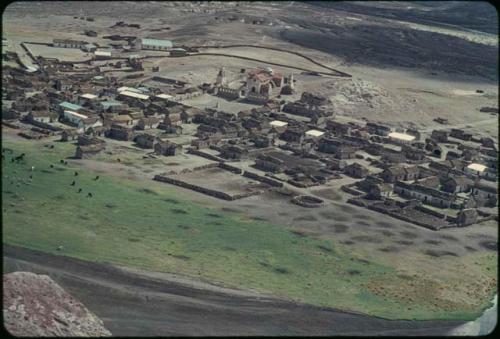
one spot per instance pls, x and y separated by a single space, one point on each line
34 305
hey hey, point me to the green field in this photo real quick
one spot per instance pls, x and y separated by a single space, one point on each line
149 226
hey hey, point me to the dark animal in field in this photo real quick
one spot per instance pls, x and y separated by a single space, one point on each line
12 160
73 183
20 157
89 195
61 161
31 176
118 160
76 173
51 166
96 178
80 190
51 146
65 162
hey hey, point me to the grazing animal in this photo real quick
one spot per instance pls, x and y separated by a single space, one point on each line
76 173
118 160
32 168
73 183
89 195
60 247
61 161
80 190
12 160
31 177
65 162
51 166
96 178
20 157
51 146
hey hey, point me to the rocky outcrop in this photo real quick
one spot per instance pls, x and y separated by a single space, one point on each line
34 305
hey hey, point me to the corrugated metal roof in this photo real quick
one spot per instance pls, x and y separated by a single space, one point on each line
157 42
70 106
78 115
135 95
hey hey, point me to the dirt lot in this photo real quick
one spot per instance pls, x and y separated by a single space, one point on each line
221 180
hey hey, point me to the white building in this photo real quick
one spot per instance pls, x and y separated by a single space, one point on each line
314 133
74 117
103 54
401 138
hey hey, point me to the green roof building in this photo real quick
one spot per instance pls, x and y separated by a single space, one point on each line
156 44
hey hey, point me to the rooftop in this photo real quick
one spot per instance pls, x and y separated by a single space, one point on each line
135 95
278 123
477 167
157 42
89 96
401 136
67 112
314 133
164 96
69 106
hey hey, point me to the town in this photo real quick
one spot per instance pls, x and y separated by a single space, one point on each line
249 168
440 178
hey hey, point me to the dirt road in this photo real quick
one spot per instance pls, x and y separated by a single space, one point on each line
150 305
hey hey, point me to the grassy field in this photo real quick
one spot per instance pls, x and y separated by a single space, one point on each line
148 226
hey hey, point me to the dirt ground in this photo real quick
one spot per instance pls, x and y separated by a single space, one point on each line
134 303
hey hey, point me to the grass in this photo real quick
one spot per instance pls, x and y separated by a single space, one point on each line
148 226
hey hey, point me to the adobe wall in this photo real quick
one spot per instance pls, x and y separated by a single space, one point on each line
204 190
263 179
205 155
230 168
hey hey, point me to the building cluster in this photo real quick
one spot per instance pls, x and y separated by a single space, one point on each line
259 85
447 178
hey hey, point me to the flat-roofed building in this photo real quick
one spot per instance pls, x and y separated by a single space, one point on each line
74 117
71 107
103 54
156 44
401 138
278 126
314 133
68 43
133 95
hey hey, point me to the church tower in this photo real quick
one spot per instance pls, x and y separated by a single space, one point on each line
221 77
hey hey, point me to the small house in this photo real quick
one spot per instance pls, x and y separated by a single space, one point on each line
167 148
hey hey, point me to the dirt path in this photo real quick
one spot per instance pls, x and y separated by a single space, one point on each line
132 303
